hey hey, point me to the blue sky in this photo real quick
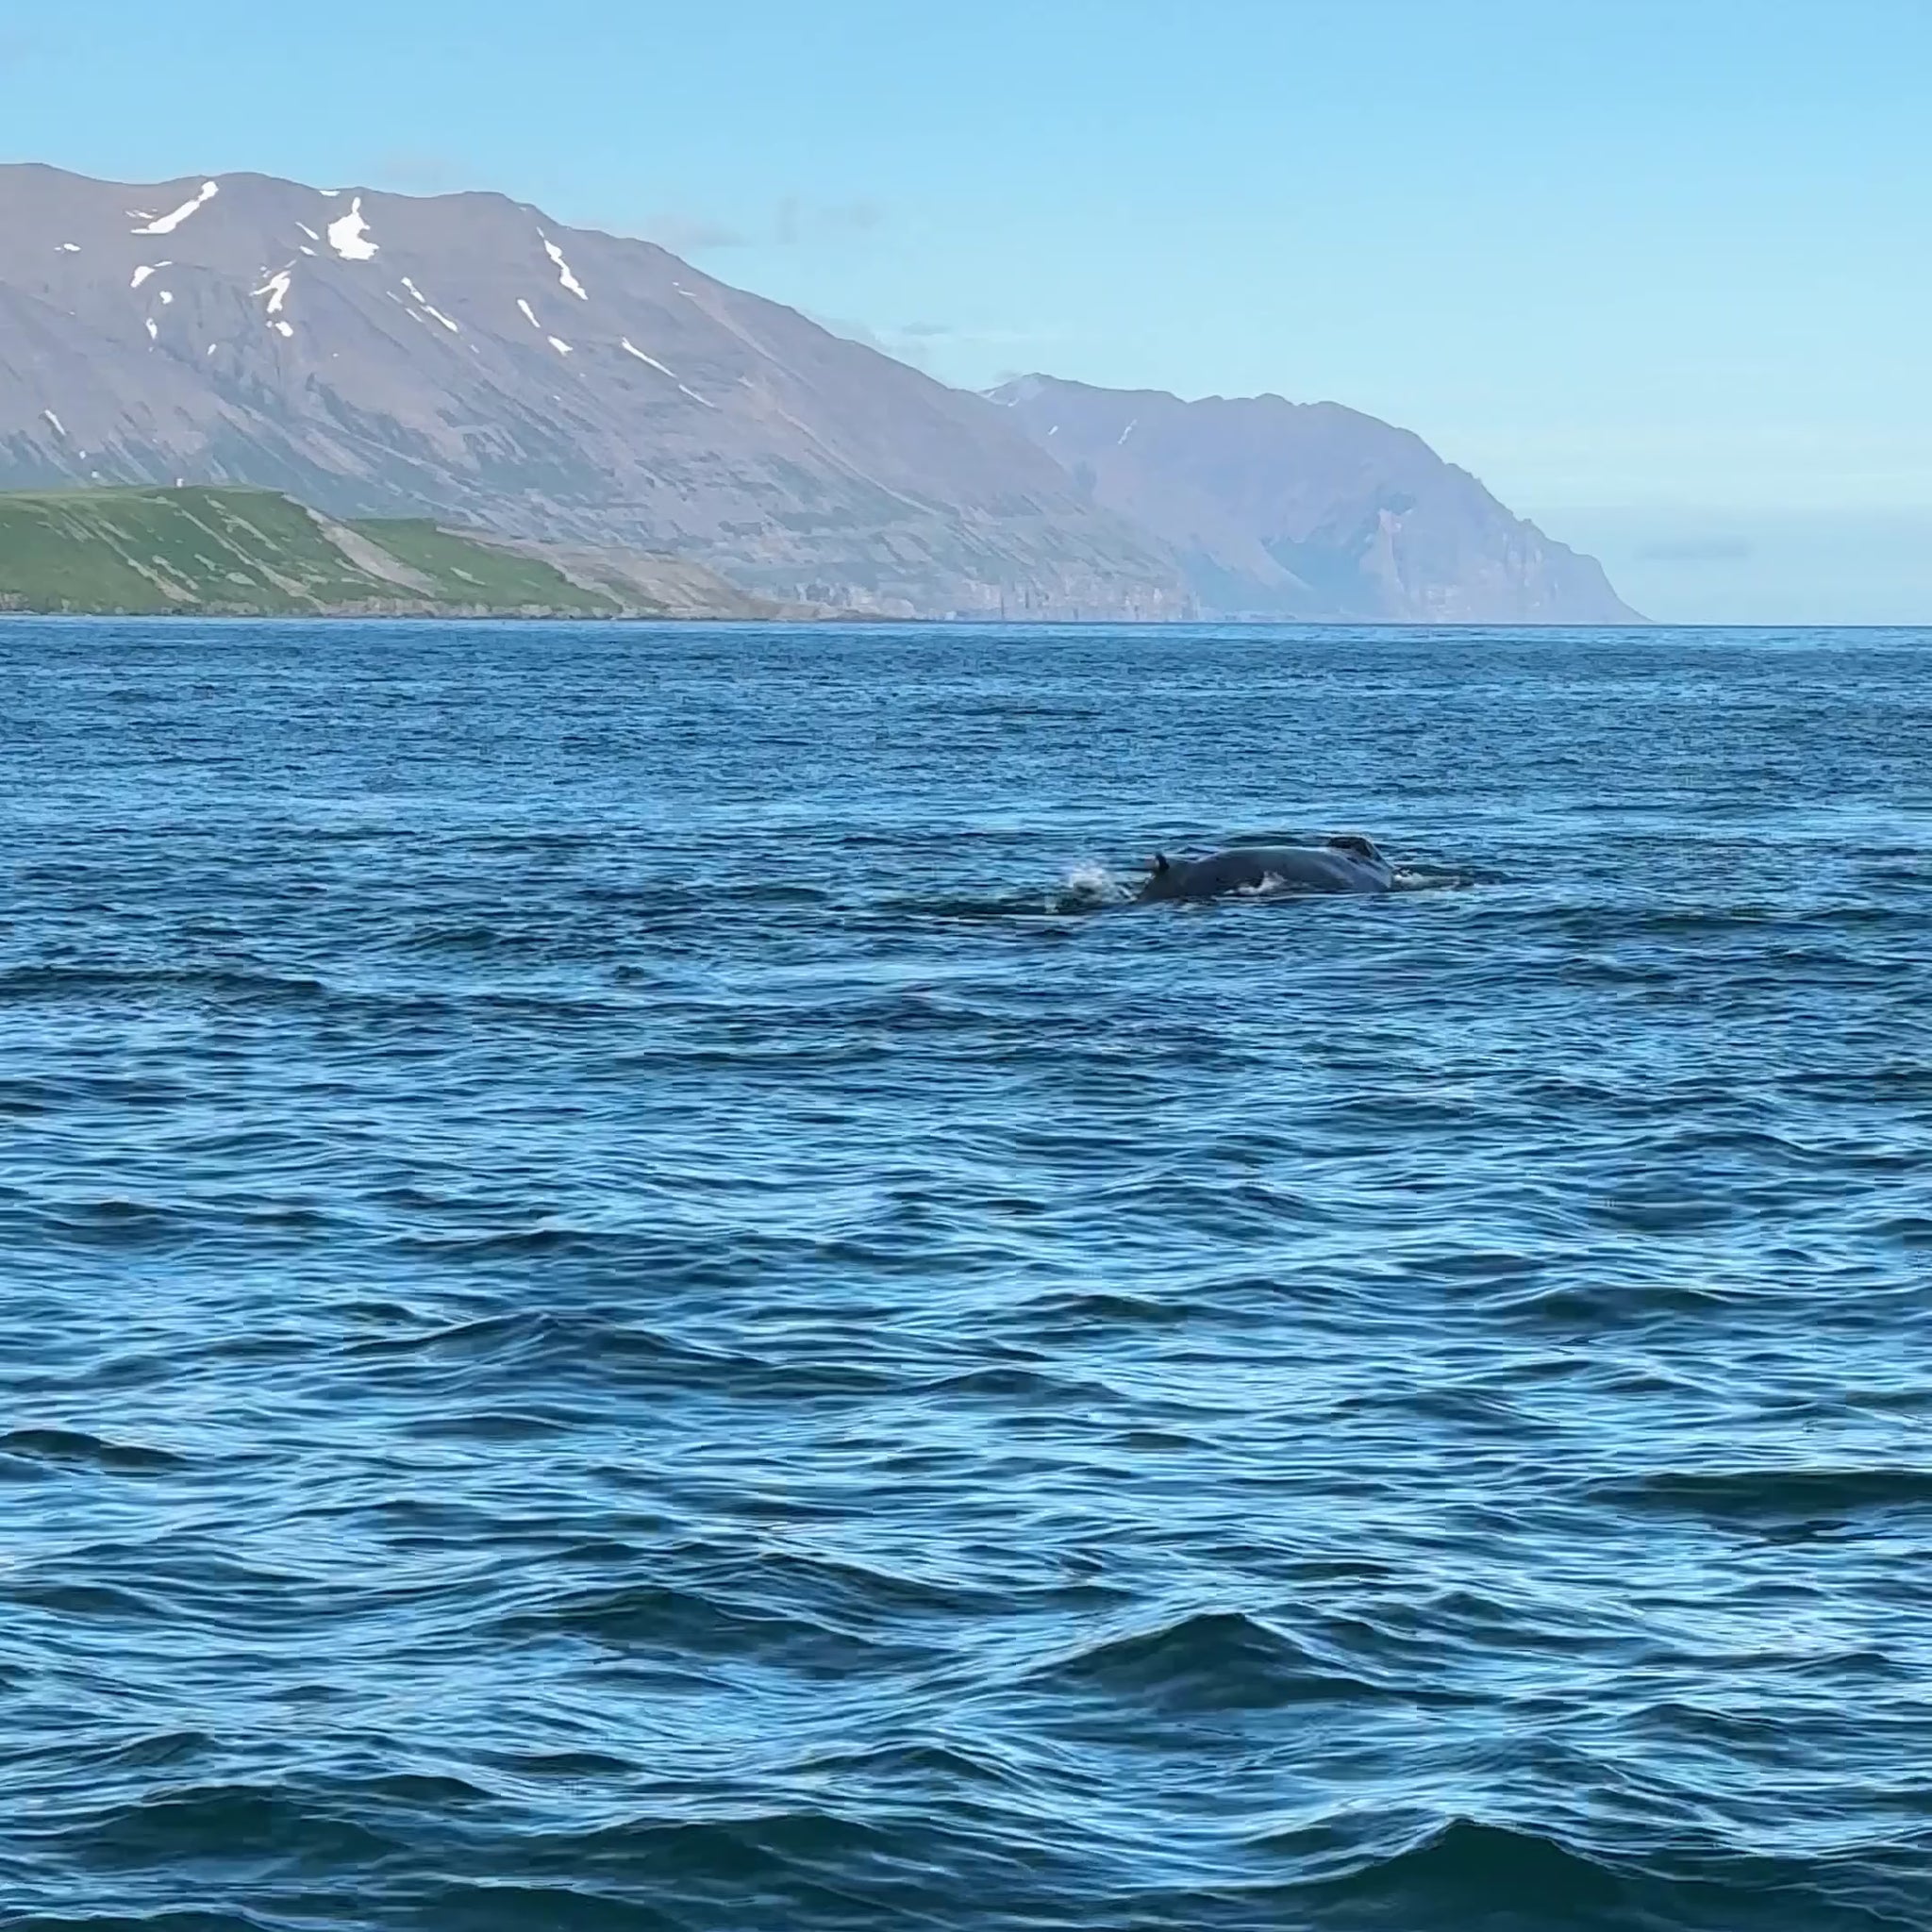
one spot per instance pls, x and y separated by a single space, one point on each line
1661 274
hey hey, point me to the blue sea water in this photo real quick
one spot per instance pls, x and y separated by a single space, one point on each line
630 1298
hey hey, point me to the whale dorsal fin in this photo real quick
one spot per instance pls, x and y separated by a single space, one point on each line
1160 865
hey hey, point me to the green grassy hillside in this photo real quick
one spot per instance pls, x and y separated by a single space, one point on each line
255 552
465 571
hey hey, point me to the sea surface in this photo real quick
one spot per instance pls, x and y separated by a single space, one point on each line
632 1296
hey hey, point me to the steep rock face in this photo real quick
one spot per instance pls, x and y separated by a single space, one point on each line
1309 510
464 357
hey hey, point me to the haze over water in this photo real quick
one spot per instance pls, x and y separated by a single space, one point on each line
632 1299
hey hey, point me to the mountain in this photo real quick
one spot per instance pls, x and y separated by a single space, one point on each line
465 357
1309 510
253 552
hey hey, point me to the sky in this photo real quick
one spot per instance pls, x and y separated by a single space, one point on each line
1660 272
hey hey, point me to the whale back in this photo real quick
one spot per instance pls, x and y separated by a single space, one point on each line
1163 878
1347 863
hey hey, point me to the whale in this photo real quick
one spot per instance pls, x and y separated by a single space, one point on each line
1345 863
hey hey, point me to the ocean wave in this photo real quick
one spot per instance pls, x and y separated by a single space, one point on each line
1462 1872
1204 1661
110 983
1772 1494
78 1449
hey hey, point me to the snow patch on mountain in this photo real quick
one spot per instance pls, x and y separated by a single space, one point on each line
169 223
563 274
277 290
428 307
630 348
349 237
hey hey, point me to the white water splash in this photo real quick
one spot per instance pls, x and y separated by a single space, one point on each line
1090 884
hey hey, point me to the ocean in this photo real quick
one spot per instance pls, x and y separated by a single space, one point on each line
633 1296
